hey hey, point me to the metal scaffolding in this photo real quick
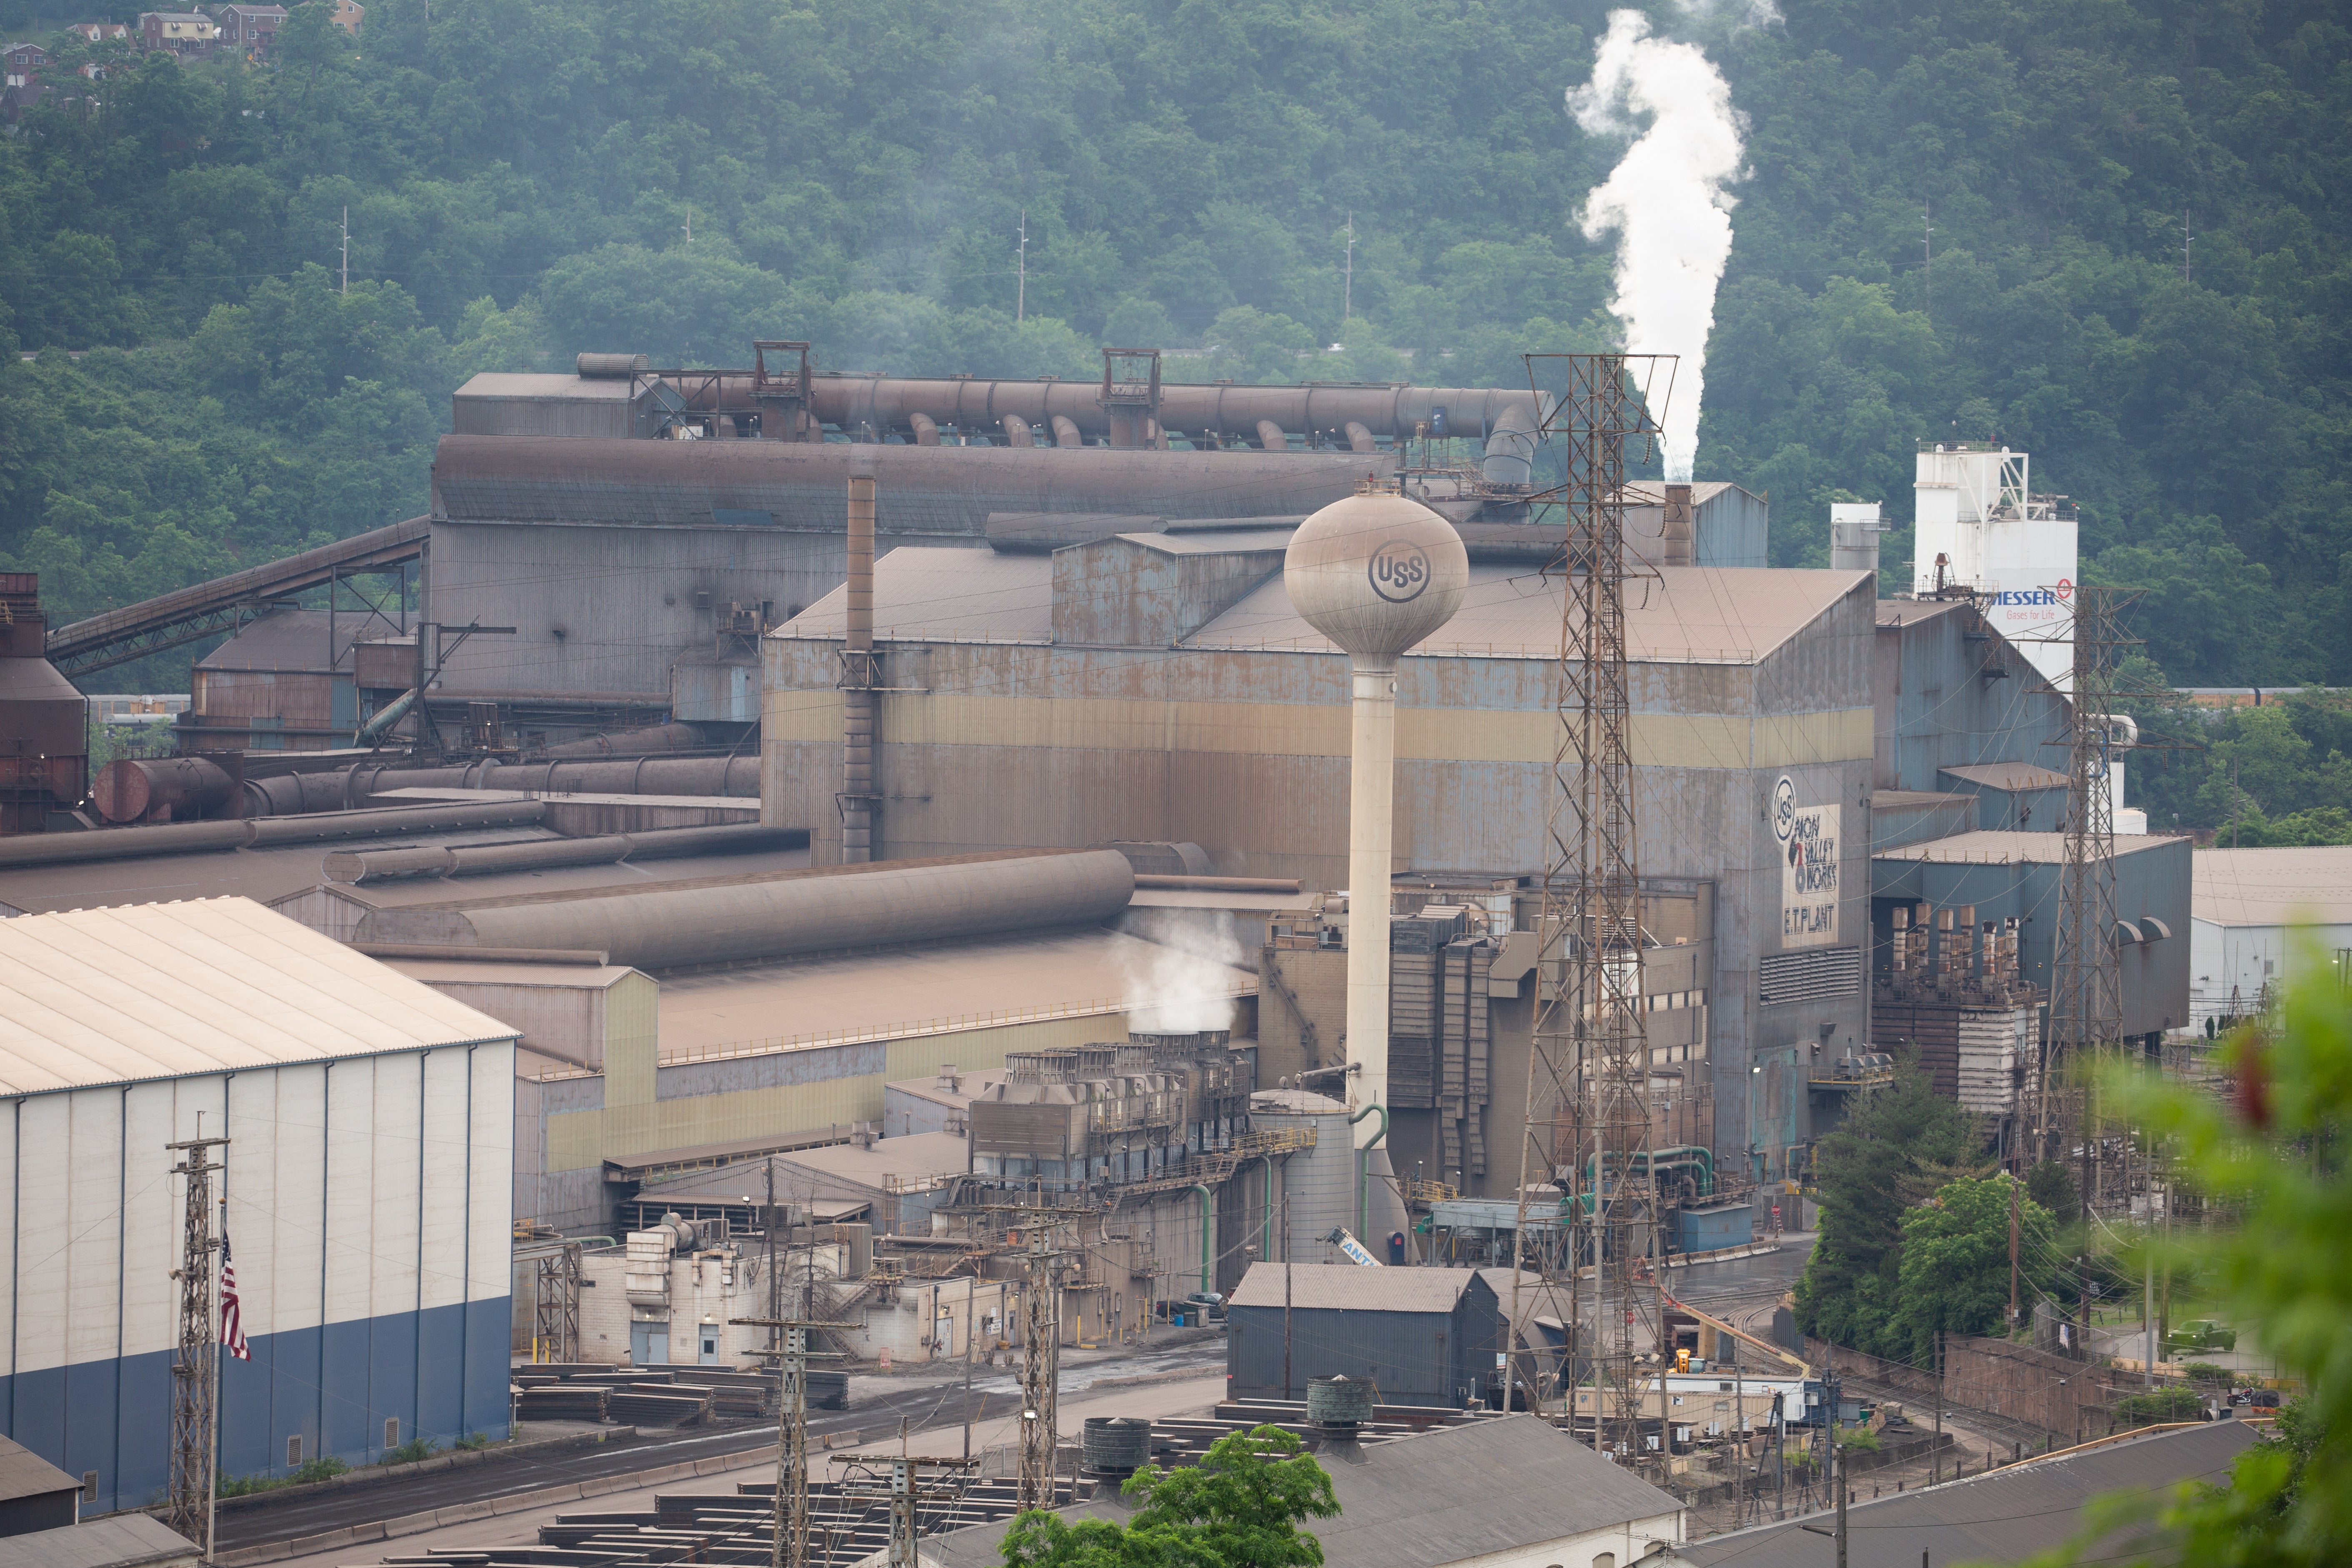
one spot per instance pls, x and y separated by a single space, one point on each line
1588 1074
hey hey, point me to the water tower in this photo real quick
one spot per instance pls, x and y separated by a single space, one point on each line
1377 573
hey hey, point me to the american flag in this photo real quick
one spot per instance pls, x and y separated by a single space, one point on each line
232 1330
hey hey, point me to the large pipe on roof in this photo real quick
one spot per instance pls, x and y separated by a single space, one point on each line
857 698
1511 444
130 789
925 429
1066 431
356 865
799 486
634 743
778 913
196 837
890 402
294 794
1016 431
1270 436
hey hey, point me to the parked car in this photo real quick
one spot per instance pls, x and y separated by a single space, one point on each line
2200 1334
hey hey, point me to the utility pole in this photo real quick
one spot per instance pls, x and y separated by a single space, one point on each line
1589 1070
2012 1252
971 1327
1939 1406
902 1489
195 1363
1041 1370
347 249
1286 1339
1020 298
775 1281
1927 247
1347 295
791 1515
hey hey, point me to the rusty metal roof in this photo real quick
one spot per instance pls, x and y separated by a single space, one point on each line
295 642
944 594
1700 615
153 990
512 383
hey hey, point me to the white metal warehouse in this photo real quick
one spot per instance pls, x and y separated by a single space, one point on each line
368 1190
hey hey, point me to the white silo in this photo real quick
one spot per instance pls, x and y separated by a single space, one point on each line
1377 573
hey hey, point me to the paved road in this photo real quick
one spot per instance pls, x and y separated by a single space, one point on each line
926 1401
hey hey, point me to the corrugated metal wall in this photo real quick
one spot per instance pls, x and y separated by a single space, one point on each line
369 1204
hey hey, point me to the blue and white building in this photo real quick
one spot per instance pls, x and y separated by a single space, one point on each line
368 1190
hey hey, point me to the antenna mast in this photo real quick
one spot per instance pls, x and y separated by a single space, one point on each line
195 1411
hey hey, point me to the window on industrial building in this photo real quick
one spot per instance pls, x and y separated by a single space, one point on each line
293 1453
90 1486
392 1431
1821 975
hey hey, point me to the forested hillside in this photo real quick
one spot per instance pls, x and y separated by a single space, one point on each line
528 179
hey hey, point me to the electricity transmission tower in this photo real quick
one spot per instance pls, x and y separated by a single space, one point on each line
2086 1012
790 1548
195 1363
1588 1074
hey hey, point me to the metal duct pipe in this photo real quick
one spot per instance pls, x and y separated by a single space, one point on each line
1511 444
481 859
133 788
576 480
1679 546
1270 436
849 402
778 913
1066 431
609 367
634 743
857 700
196 837
384 718
296 794
1016 430
926 429
1359 439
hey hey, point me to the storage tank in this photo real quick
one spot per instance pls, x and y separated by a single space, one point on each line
43 722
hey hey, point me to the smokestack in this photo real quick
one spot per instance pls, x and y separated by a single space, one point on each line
1377 573
1681 545
857 683
1854 529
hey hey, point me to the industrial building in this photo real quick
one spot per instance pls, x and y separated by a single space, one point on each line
1194 705
44 741
367 1191
1420 1336
2259 913
1979 528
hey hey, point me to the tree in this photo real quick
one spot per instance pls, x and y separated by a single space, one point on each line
1954 1265
1897 1147
2278 1154
1239 1508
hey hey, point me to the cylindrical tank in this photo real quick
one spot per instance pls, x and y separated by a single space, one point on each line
134 788
1377 573
611 367
1853 536
1116 1445
792 911
1343 1403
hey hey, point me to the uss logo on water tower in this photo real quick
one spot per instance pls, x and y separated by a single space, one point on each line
1399 572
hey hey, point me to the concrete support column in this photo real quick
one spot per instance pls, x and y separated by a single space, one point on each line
1371 835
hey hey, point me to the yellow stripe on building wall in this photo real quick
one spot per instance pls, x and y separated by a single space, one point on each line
1297 730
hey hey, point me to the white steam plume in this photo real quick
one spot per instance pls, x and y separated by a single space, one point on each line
1180 975
1667 201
